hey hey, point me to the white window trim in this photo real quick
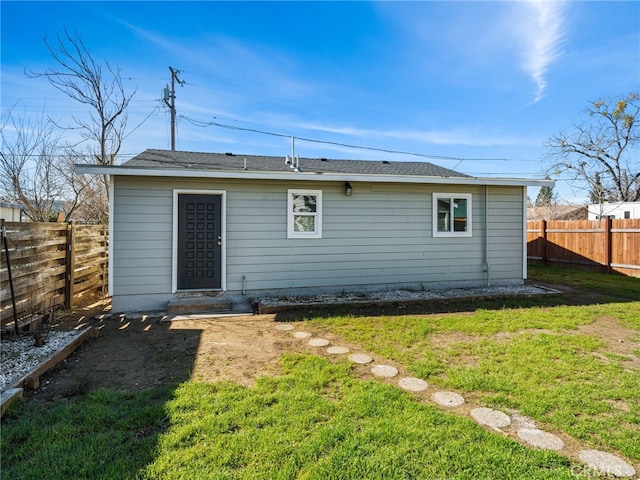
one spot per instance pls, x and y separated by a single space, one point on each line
291 233
451 196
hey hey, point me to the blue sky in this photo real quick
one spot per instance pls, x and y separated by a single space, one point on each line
487 82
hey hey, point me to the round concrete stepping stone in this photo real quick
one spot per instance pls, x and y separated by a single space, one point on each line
337 350
318 342
490 417
284 327
540 439
412 384
360 358
301 334
384 371
447 399
606 463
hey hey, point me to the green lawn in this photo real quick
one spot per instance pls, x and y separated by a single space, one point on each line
532 359
318 420
315 421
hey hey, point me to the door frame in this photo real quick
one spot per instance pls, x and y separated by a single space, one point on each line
223 233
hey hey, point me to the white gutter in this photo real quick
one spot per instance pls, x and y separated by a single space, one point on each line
303 176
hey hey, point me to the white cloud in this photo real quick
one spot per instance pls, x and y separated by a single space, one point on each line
540 30
467 135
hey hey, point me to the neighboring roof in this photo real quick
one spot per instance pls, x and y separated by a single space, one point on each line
167 163
557 212
15 206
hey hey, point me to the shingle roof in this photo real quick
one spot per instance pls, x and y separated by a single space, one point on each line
164 159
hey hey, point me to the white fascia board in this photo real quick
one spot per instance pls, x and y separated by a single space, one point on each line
302 176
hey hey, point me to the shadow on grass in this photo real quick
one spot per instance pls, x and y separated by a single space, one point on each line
315 420
101 412
102 434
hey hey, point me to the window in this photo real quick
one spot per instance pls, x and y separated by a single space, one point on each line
304 214
451 215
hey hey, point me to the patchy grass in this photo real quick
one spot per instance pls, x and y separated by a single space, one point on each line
534 360
318 421
315 421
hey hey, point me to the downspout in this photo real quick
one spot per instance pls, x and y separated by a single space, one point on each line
487 265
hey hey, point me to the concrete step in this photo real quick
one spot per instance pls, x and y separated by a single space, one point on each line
199 305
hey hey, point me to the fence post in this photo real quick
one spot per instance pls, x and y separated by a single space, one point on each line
607 243
70 265
543 252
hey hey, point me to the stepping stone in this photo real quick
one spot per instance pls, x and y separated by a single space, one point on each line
301 334
412 384
490 417
447 399
318 342
384 371
360 358
540 439
337 350
606 463
284 327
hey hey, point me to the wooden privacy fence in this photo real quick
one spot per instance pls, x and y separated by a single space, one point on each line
51 264
607 245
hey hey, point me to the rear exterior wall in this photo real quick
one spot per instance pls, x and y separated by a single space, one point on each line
378 238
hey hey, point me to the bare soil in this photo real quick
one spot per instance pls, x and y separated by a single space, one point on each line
143 351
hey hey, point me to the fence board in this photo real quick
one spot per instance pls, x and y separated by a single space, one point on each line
47 269
603 245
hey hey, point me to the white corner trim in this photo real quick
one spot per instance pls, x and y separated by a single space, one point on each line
110 261
525 266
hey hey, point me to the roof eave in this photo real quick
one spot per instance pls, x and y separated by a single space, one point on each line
303 176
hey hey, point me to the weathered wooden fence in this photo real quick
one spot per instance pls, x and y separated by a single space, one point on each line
51 264
607 245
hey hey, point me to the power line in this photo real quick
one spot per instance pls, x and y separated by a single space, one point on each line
140 124
199 123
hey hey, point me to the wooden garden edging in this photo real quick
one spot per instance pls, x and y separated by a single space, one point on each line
606 245
51 264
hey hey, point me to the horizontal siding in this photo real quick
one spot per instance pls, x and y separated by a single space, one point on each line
506 233
142 238
382 235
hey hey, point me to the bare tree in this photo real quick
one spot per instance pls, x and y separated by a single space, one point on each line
97 85
36 170
28 165
602 152
85 197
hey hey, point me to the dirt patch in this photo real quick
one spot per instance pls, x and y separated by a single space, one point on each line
141 352
622 343
146 352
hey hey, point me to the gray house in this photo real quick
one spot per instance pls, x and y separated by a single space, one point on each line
185 222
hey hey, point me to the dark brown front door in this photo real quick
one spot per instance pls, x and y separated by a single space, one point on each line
199 241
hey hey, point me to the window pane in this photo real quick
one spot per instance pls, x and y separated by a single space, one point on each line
444 210
459 214
304 223
304 203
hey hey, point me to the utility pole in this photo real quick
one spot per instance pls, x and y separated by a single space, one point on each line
169 98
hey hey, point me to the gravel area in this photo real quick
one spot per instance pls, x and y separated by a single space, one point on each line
20 356
404 295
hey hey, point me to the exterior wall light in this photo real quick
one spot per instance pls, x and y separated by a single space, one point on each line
347 189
